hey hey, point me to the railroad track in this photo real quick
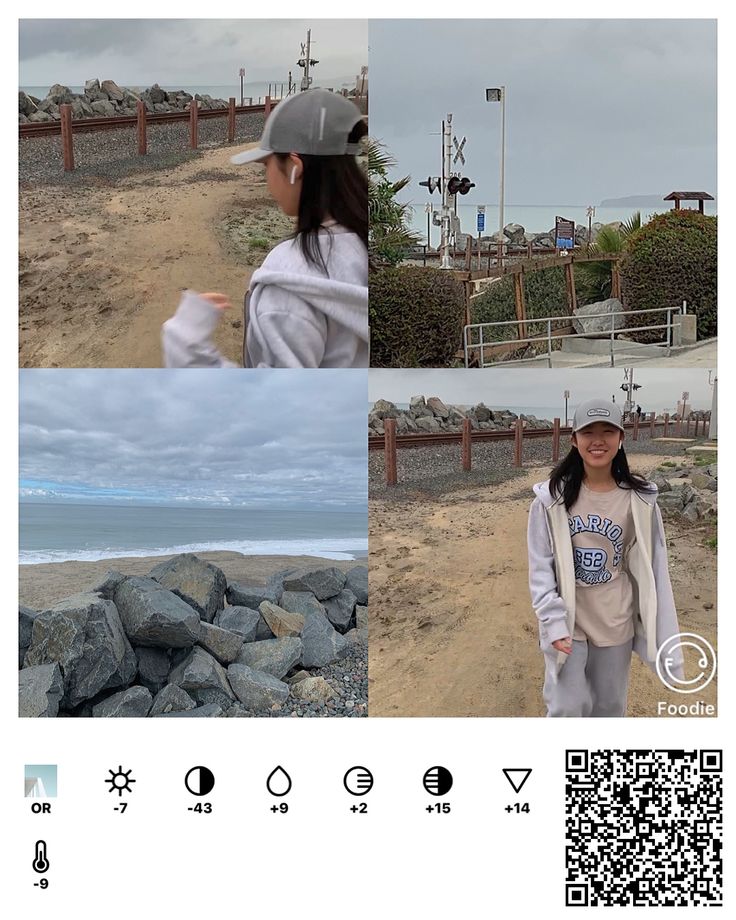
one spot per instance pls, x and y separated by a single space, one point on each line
81 125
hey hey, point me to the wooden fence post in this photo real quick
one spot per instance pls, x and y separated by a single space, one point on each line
651 424
231 119
666 424
389 452
268 106
193 123
635 435
466 445
572 299
141 127
67 140
615 280
555 440
697 423
518 439
520 303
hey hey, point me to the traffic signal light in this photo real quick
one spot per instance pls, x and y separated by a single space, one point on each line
459 186
432 183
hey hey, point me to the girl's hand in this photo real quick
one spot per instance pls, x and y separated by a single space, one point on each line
563 645
218 300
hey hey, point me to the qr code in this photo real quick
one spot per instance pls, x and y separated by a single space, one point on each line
644 828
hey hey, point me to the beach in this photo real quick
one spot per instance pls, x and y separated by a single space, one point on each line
452 630
42 586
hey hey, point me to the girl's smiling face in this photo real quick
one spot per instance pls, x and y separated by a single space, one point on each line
598 443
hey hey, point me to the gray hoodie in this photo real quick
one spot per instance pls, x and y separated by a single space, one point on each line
552 575
295 314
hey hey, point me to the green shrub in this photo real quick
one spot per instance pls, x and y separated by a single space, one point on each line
670 259
545 295
416 317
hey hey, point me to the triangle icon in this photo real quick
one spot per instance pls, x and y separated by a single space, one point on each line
517 776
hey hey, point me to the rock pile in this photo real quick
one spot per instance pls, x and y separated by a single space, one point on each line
688 492
182 641
107 99
432 416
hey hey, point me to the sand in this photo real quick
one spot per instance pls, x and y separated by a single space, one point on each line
102 265
41 586
452 630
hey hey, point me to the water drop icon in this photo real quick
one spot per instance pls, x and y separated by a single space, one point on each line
278 782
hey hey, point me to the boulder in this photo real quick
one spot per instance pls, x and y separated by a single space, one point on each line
84 635
595 317
321 643
112 90
417 402
702 481
274 656
221 643
356 636
153 615
361 617
428 424
106 588
439 409
60 94
39 116
201 672
200 584
482 413
250 595
208 711
313 690
40 689
256 690
131 703
240 620
154 665
171 699
26 616
81 109
26 105
514 233
281 622
323 583
301 602
156 94
339 609
356 580
103 108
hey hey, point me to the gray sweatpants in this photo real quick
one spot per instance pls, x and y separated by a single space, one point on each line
594 681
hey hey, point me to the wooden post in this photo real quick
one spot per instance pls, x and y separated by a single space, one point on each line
193 123
615 280
466 445
572 300
231 119
651 424
555 440
268 106
678 428
468 253
520 303
697 423
141 128
666 424
635 435
389 452
687 427
67 141
518 440
468 286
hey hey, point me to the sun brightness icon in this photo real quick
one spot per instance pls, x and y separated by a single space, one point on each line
120 780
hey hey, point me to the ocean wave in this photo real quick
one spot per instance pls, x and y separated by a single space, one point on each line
339 548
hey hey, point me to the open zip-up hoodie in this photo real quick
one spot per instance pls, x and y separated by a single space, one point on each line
552 575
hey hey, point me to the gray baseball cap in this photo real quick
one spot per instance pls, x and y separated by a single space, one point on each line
315 122
597 410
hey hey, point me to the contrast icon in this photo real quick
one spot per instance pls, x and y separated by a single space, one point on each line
697 648
278 782
200 781
40 859
358 780
120 781
517 776
437 781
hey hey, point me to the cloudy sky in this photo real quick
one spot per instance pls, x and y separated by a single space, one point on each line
185 52
513 388
281 439
595 108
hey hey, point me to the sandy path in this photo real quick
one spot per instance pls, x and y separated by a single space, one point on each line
452 630
102 266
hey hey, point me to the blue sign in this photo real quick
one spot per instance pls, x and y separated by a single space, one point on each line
481 226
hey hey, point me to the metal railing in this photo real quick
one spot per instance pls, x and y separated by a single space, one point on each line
479 347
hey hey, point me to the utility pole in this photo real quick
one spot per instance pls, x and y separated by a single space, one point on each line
242 78
306 61
446 169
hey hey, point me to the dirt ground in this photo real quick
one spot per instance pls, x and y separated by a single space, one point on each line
102 265
452 630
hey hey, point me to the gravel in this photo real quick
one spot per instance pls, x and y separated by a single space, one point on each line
435 470
113 155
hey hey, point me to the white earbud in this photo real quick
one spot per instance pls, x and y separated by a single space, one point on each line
292 177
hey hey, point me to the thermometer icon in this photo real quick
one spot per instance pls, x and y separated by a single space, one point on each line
41 862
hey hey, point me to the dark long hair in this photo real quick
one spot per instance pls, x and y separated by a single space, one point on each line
334 187
568 475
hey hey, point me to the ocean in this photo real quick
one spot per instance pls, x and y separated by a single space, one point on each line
63 532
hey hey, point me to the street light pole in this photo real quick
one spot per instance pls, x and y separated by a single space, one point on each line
446 168
503 166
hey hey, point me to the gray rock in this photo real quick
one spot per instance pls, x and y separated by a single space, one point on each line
40 116
209 711
153 615
514 233
250 595
595 317
703 481
156 94
60 94
221 643
112 90
417 402
274 656
104 108
313 690
281 622
339 609
240 620
256 690
200 584
321 643
154 665
301 602
135 702
40 690
83 634
323 583
356 579
356 636
276 582
171 699
26 106
361 617
297 676
428 424
26 616
439 409
200 672
106 588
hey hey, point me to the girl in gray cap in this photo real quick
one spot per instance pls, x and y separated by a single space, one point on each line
598 571
307 305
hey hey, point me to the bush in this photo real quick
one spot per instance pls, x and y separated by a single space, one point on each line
416 317
545 293
670 259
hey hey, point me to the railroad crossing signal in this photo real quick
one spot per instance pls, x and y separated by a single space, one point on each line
432 183
459 155
461 186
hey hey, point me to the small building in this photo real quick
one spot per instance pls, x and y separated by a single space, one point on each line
700 197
